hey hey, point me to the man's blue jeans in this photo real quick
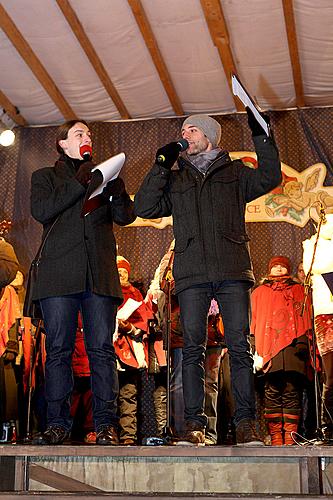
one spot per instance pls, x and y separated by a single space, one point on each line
212 367
233 298
60 320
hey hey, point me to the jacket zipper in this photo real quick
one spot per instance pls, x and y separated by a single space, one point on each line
202 177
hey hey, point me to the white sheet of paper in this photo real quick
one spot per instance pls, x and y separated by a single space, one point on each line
128 308
239 91
110 169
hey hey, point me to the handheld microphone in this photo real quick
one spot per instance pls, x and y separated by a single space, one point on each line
180 145
86 152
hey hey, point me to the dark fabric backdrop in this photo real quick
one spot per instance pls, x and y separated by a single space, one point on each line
303 138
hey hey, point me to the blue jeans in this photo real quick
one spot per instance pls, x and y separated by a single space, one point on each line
176 391
233 298
60 320
212 367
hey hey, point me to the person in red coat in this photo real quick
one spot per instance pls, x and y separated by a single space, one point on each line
280 335
131 347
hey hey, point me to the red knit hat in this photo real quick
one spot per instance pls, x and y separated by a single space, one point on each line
282 260
123 263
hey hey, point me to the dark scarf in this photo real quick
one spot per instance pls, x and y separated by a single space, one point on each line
76 162
202 161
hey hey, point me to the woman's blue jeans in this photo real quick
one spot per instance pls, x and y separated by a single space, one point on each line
60 320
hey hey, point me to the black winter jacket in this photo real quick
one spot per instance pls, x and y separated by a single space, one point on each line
80 252
208 212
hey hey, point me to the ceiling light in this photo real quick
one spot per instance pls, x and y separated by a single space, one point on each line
7 138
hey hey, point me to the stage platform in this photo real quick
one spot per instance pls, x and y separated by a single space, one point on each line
166 471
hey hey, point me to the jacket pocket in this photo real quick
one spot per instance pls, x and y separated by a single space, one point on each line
239 238
182 243
183 198
225 178
233 248
182 187
187 261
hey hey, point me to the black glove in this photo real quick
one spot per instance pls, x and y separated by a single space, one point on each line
167 155
255 127
83 175
114 188
12 350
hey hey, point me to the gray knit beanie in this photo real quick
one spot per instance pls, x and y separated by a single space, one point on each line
210 127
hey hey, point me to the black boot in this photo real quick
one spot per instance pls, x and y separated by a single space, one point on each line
326 417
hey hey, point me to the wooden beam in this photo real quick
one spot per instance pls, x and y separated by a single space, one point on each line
58 481
95 61
220 36
156 55
289 19
29 57
11 110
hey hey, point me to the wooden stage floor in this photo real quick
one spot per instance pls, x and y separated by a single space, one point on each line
167 471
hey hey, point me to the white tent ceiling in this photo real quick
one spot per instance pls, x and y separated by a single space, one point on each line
127 59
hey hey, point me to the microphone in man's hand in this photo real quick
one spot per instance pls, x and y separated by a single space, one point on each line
86 152
173 149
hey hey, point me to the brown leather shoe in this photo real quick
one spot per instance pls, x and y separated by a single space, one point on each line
54 434
194 435
192 438
128 442
246 433
107 435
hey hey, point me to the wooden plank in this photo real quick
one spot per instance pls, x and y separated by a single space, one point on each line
310 476
156 55
286 452
303 475
21 474
7 473
293 50
48 495
91 53
30 58
219 33
56 480
12 110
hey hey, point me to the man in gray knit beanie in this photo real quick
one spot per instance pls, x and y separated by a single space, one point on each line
210 127
206 193
203 135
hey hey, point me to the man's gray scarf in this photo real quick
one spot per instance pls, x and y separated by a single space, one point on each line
202 161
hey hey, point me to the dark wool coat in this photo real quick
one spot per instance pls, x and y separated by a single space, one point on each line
209 212
80 252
